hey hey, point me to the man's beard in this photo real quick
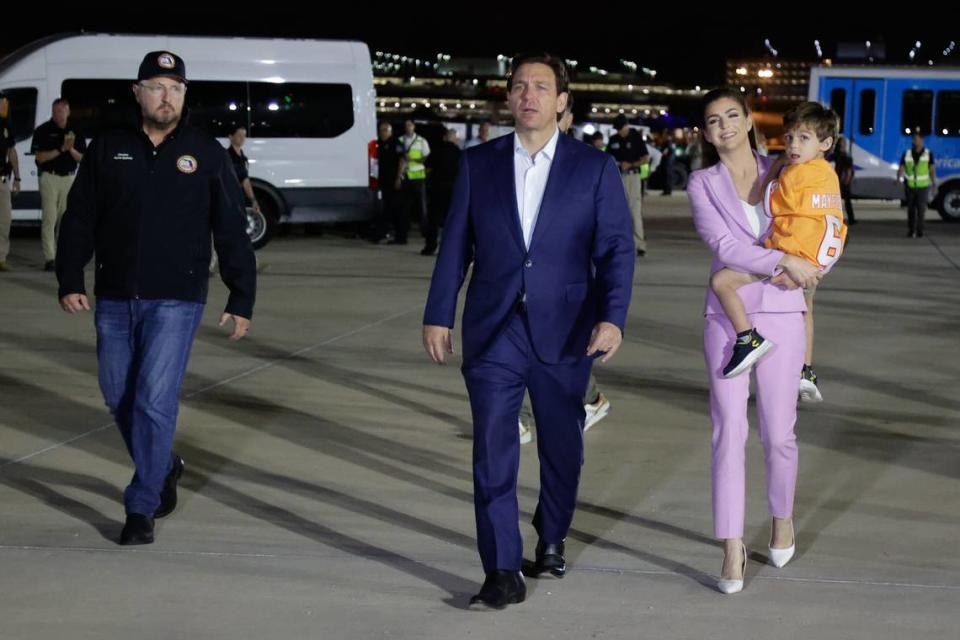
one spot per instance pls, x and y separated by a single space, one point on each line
162 122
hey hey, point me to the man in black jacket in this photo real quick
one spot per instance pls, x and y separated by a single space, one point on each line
145 202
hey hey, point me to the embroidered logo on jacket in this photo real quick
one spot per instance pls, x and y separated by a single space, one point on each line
187 164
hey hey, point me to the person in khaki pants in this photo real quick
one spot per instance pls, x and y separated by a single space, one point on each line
6 188
58 150
9 178
629 150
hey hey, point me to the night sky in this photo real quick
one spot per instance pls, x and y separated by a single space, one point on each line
683 50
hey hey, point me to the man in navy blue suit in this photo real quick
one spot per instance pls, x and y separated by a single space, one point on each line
545 222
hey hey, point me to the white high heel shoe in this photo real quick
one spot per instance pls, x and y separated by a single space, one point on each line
734 586
780 557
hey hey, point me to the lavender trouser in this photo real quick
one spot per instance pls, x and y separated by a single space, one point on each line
778 381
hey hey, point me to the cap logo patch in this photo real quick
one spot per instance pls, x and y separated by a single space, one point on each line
187 164
166 61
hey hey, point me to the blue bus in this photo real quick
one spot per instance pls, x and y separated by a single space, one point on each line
880 109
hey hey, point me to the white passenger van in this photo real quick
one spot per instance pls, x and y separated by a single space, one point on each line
308 106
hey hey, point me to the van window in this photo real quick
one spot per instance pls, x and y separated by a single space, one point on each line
218 106
23 111
267 110
298 110
99 105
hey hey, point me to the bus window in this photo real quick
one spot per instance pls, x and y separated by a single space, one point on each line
868 111
948 114
838 102
917 112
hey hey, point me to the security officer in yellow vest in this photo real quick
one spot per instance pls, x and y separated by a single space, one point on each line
629 150
918 173
412 183
58 150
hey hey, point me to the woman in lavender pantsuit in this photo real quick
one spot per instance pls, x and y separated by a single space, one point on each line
727 211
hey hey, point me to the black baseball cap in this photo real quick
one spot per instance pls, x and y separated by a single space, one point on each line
162 63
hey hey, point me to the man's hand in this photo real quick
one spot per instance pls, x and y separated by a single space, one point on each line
241 325
437 342
74 303
15 188
606 339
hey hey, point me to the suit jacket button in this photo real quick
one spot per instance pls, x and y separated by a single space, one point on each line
528 264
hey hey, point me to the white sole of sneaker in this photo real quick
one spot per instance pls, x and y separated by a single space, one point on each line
526 435
809 392
751 359
593 417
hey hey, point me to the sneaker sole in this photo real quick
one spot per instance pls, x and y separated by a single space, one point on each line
600 414
751 359
809 392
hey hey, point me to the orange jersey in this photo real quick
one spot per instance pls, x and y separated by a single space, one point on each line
807 212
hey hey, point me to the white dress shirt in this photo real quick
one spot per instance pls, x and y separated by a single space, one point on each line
530 178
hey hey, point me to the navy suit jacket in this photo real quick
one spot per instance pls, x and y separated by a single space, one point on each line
577 272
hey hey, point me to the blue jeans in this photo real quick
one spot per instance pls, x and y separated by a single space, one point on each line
143 347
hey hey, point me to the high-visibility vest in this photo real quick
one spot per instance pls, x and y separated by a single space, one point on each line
416 169
918 174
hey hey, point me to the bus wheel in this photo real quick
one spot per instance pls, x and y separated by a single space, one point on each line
948 202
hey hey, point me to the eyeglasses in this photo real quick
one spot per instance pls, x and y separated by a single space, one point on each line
157 89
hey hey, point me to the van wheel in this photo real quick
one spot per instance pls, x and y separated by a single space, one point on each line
262 226
258 229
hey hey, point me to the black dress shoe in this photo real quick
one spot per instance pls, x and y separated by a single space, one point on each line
428 251
49 265
137 530
549 561
500 589
168 496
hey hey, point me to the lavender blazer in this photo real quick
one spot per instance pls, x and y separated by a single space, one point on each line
723 227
